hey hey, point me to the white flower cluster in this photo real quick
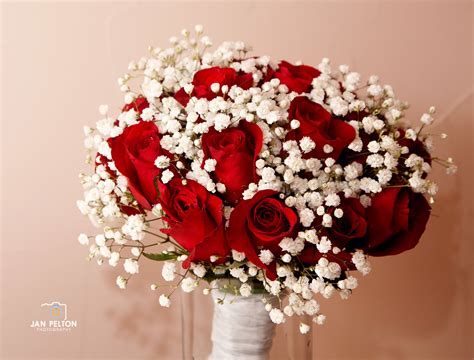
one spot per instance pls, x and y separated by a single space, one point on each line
315 187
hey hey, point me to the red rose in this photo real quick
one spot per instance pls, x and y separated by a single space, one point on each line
203 80
351 227
317 124
297 77
195 219
235 150
396 220
134 153
260 224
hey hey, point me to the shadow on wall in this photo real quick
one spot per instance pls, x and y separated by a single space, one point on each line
438 274
432 300
141 320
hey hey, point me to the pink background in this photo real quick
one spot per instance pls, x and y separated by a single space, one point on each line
61 60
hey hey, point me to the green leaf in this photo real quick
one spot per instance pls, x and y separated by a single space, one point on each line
155 184
161 256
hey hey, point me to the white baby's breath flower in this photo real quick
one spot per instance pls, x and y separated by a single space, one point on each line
320 319
427 119
324 245
327 149
307 144
100 240
162 162
121 282
188 284
114 258
268 174
294 124
104 149
168 272
156 210
215 87
339 106
277 316
135 251
338 213
375 160
221 121
152 88
356 145
199 270
373 146
332 200
375 90
304 329
103 109
384 176
327 220
411 134
134 227
131 266
292 246
286 258
104 252
306 217
166 176
266 256
147 114
83 239
245 290
164 301
210 165
238 256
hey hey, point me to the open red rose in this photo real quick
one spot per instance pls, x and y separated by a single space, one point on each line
317 124
235 150
297 77
260 224
134 153
351 227
195 219
396 220
203 80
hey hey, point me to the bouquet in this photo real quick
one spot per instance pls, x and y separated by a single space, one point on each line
256 175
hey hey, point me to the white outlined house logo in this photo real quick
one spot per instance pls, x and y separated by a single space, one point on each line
54 318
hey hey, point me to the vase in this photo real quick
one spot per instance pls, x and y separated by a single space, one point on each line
239 328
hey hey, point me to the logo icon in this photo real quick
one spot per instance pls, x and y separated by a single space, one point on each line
57 309
54 318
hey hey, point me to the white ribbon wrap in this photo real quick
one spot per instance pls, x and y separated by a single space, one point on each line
241 327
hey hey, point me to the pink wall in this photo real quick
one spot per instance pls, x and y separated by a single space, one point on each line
61 60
